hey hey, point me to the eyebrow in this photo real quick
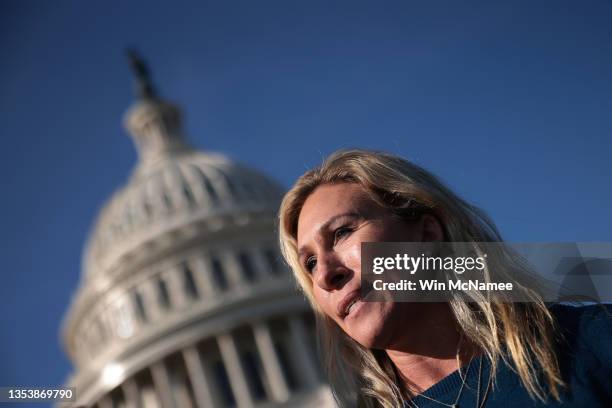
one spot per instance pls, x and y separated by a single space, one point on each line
327 223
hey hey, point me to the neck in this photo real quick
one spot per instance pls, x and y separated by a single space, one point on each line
436 351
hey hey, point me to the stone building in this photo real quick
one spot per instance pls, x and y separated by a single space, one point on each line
183 299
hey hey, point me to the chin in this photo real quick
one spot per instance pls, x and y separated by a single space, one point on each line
369 329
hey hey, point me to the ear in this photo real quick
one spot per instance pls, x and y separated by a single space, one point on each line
431 229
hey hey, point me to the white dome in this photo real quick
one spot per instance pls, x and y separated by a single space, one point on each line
184 300
184 188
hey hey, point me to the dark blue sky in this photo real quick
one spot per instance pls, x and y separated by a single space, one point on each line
510 104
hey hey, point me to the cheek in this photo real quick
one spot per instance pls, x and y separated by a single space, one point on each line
323 300
352 258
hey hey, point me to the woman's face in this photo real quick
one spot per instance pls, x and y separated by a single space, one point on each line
334 221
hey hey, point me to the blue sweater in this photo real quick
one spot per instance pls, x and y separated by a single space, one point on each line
585 358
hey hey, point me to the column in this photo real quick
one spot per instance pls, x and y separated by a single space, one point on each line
175 184
148 290
235 372
271 362
195 183
232 268
204 394
174 282
202 276
162 384
106 325
302 352
130 390
224 192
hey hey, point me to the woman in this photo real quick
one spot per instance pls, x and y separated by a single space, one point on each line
467 353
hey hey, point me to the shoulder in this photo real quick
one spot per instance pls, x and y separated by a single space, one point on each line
585 337
583 321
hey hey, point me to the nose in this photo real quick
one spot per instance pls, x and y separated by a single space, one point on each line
331 274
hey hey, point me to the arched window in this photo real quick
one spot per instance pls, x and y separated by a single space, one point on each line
246 267
180 384
146 389
163 296
189 284
218 273
282 346
139 306
251 362
223 384
254 373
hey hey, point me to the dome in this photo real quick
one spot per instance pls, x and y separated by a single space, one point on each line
183 299
187 187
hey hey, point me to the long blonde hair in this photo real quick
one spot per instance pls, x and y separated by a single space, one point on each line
521 334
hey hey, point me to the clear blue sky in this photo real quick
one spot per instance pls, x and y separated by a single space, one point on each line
510 104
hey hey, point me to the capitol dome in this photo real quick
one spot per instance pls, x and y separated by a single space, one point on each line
186 187
183 300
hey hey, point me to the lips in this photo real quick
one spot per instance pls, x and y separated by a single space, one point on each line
347 301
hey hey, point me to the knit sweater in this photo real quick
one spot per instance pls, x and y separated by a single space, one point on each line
585 359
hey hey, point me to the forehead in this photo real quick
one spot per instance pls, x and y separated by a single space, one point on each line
329 200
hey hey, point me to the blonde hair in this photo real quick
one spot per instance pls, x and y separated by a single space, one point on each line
521 334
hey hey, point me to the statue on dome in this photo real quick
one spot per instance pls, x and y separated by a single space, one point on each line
144 85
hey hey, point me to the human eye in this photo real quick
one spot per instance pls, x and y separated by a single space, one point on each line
310 263
341 233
